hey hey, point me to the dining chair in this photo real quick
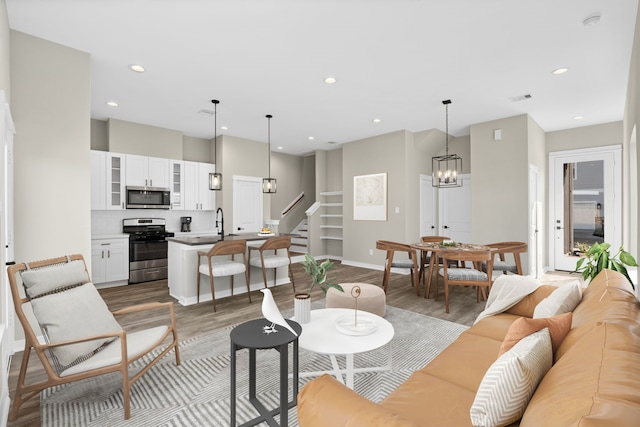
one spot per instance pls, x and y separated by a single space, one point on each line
466 276
81 337
425 258
223 266
268 257
500 262
411 263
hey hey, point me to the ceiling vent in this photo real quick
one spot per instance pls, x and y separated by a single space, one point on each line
520 98
331 142
205 112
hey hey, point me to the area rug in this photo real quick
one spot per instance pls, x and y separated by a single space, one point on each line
196 393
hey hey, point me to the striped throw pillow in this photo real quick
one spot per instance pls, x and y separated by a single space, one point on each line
509 383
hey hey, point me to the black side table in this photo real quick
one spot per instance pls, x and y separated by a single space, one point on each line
250 335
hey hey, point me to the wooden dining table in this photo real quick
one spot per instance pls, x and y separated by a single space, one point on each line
434 251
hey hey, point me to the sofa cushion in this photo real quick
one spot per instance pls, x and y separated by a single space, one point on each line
562 300
558 326
594 384
509 383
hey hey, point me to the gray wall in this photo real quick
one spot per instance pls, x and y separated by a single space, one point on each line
143 140
5 47
50 104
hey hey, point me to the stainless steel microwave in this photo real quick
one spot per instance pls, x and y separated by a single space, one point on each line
148 198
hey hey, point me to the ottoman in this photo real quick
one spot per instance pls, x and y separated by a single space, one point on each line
372 298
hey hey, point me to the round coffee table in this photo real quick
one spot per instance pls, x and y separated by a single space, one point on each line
321 336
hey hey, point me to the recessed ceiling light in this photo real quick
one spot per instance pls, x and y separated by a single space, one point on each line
137 68
280 148
559 71
224 128
311 138
376 120
112 103
330 80
577 118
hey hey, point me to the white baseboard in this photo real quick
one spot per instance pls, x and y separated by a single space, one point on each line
378 267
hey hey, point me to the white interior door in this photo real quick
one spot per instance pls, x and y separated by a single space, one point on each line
247 204
454 206
428 207
585 203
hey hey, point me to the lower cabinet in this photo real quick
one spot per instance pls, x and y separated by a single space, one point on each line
110 260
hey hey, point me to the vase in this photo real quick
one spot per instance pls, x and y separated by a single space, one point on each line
302 308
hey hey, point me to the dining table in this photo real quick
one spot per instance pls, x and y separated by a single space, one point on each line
434 250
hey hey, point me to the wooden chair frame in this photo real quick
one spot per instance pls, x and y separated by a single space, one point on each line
460 257
499 249
391 248
273 244
424 258
222 248
25 391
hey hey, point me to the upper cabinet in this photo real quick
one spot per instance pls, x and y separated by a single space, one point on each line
107 180
145 171
197 195
176 169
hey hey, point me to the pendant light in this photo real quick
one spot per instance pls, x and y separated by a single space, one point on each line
215 179
447 169
269 184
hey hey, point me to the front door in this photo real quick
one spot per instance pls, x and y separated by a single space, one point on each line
585 203
247 204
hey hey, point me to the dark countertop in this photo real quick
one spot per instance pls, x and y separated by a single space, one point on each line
214 238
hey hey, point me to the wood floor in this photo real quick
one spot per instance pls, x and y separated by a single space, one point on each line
200 319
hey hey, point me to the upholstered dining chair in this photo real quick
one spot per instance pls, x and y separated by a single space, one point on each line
466 276
219 265
411 263
268 257
425 257
82 337
500 261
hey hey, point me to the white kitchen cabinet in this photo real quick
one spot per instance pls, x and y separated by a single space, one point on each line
115 188
197 195
176 185
110 260
98 180
145 171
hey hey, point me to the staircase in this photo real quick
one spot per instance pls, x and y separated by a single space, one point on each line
299 244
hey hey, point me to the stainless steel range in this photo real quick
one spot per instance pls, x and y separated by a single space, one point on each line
147 248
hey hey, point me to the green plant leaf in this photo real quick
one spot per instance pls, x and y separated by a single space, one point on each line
627 258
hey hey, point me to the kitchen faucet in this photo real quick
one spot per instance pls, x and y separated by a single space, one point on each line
220 221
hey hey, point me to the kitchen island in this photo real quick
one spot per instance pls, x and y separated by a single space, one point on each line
183 260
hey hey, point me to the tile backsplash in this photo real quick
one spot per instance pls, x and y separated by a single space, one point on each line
110 222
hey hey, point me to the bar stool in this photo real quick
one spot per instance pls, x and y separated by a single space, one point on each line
273 260
224 267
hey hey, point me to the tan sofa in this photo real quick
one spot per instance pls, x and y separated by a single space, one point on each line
595 379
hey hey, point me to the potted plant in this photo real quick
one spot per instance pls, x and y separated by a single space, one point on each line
318 272
598 257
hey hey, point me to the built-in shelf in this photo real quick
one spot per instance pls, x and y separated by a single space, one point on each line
332 206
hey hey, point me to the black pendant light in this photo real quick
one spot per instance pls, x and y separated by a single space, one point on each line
447 169
269 184
215 179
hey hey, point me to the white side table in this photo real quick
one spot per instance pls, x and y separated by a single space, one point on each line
321 336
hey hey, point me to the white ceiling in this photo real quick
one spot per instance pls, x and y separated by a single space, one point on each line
395 60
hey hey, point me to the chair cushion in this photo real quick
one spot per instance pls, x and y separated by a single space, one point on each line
510 381
270 261
402 264
223 268
465 274
501 266
564 299
76 313
43 280
138 343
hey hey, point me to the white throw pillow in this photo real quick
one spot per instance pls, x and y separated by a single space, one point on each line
77 313
563 300
43 280
509 383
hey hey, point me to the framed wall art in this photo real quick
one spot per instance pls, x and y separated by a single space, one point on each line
370 197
